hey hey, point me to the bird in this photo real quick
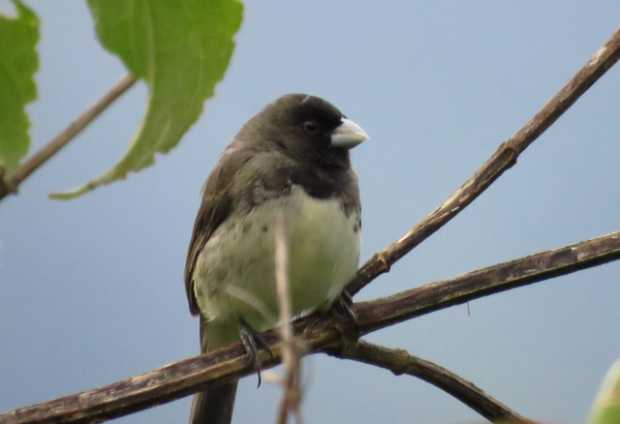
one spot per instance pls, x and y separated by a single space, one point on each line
291 159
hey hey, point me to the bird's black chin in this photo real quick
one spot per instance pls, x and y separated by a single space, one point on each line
334 158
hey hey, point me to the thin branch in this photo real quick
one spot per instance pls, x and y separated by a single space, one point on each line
62 139
191 375
399 362
505 156
291 398
430 297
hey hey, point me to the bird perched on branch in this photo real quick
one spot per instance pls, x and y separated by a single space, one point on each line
292 159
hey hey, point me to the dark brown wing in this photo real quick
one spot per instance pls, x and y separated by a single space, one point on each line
216 206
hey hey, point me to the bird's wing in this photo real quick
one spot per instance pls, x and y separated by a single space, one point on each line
217 204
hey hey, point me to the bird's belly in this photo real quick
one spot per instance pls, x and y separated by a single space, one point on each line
234 276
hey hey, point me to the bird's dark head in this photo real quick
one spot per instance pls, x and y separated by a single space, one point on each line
308 129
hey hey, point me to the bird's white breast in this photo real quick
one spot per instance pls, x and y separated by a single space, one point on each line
234 274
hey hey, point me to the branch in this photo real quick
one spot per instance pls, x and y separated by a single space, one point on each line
430 297
191 375
505 156
62 139
398 361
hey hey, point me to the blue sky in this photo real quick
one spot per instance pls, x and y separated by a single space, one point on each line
91 290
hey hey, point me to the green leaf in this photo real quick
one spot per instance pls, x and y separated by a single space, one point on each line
606 408
18 64
181 49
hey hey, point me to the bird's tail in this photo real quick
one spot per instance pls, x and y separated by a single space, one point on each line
214 405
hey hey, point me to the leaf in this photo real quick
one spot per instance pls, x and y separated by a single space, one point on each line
18 64
181 49
606 408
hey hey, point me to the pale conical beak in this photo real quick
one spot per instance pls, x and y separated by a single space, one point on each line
348 135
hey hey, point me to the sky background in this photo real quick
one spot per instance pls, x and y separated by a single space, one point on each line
91 290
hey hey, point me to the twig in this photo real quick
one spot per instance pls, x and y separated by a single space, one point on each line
399 361
291 398
191 375
505 156
62 139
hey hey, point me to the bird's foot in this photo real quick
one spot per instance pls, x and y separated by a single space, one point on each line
252 340
343 319
342 308
346 318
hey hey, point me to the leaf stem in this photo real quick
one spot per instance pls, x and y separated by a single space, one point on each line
61 140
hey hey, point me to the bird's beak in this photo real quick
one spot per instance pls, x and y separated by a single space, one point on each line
348 135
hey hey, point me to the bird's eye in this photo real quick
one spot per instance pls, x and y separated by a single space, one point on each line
311 127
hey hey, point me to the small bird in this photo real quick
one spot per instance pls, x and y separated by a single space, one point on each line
290 160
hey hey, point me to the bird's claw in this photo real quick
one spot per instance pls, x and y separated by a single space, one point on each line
343 307
252 340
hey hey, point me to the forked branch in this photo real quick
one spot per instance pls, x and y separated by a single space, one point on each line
505 156
190 375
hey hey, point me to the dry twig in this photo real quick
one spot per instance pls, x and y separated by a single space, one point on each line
291 398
